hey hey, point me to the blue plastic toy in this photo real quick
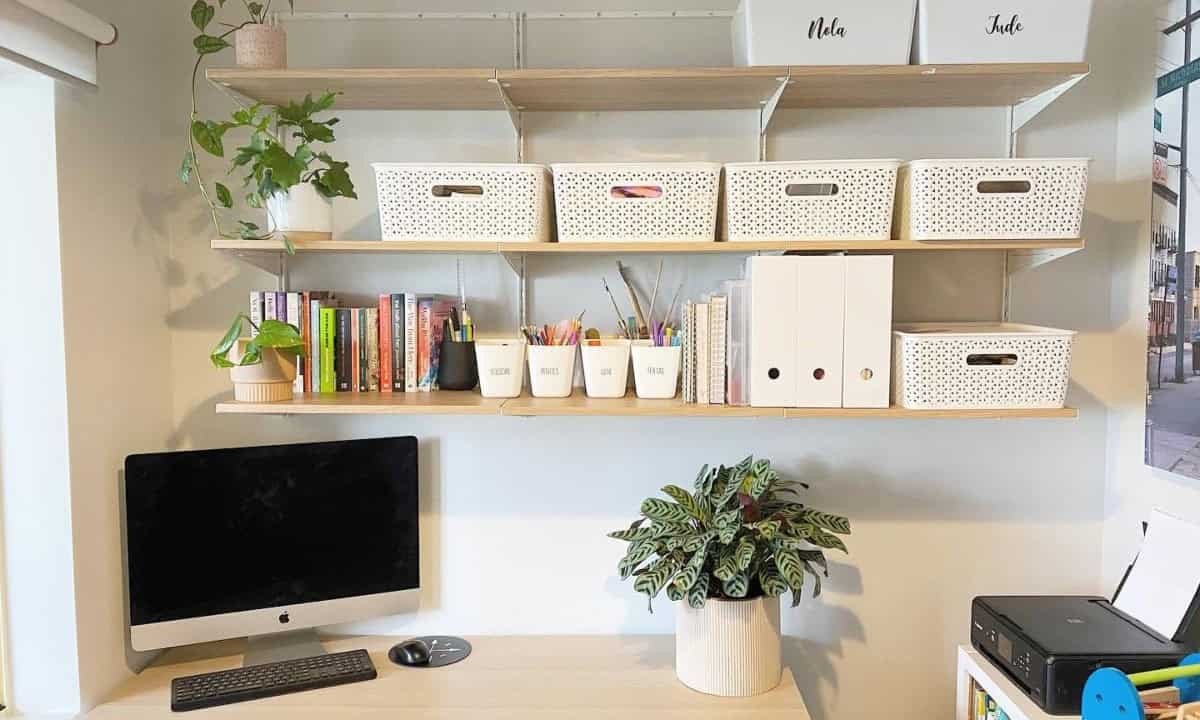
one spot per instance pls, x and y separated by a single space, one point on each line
1110 694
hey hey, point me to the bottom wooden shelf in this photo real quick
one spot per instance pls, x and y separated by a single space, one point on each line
446 402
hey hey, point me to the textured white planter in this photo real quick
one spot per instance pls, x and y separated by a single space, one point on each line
302 211
263 47
271 380
730 647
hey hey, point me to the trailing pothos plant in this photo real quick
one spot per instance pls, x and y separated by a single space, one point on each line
737 535
275 334
271 169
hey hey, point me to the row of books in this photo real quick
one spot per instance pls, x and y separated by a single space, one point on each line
715 347
983 707
392 346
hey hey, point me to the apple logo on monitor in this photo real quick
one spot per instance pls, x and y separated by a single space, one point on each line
283 618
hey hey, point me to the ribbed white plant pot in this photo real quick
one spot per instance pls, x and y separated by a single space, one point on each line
301 212
730 647
271 380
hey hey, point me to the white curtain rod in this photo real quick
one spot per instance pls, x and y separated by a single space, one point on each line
571 15
71 16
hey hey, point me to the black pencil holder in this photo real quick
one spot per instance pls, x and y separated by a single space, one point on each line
457 368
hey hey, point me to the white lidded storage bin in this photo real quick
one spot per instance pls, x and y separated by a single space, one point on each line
796 201
991 199
992 366
999 31
823 32
501 367
605 367
656 202
461 202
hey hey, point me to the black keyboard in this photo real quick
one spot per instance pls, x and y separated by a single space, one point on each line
259 681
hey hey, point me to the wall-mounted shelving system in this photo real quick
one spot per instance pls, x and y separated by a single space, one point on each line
446 402
1024 89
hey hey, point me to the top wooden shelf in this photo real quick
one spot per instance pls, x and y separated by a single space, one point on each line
550 90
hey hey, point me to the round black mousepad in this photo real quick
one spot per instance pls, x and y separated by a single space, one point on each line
445 649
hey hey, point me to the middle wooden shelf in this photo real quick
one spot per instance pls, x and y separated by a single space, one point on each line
445 402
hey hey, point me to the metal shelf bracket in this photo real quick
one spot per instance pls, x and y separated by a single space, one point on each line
767 113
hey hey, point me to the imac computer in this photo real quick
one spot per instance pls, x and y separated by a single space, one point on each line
262 541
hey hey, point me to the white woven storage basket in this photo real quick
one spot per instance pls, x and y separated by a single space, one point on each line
657 202
991 199
464 202
992 366
796 201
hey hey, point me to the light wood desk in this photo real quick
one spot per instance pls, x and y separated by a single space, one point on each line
575 677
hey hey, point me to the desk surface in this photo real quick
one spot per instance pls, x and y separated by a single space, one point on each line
576 677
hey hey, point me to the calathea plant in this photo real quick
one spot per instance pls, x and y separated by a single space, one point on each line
271 169
737 535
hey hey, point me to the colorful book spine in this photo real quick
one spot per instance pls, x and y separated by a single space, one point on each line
256 311
424 337
411 371
397 342
356 349
342 362
306 380
269 306
327 338
441 313
371 351
385 343
281 307
294 319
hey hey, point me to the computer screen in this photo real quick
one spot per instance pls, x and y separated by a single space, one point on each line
212 532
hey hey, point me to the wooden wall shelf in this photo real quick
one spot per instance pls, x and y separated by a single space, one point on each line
562 89
266 253
470 403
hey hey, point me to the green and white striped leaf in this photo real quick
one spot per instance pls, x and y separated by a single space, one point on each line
633 534
703 482
727 518
688 576
826 521
727 533
670 529
652 581
685 500
726 566
679 542
790 567
772 582
816 579
637 553
815 557
674 592
823 539
799 530
767 528
697 542
736 586
744 552
718 487
664 511
755 485
728 492
699 593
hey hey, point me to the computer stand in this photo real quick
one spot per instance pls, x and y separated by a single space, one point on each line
277 647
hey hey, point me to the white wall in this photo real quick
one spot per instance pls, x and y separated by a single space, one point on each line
514 511
39 610
117 158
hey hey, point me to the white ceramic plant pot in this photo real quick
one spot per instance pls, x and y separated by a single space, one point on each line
271 380
729 647
263 47
302 212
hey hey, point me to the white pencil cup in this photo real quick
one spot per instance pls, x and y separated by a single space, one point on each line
501 367
656 370
551 370
606 367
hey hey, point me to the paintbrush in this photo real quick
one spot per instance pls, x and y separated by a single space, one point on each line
620 320
671 309
642 328
654 295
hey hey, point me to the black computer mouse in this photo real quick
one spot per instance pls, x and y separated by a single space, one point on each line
414 653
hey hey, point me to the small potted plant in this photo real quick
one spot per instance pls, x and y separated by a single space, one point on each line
259 43
263 367
296 187
725 553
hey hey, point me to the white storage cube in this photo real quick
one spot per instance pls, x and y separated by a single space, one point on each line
823 32
992 366
797 201
501 367
605 367
991 199
460 202
657 202
999 31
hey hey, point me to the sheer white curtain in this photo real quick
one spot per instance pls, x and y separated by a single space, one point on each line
54 37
